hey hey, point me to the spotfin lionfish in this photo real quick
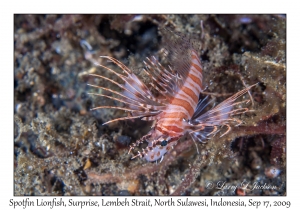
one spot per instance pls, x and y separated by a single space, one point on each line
178 109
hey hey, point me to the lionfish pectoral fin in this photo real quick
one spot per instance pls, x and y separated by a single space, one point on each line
220 115
194 140
136 97
227 131
214 131
123 118
201 134
202 104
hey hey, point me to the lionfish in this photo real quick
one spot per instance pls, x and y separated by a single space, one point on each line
177 110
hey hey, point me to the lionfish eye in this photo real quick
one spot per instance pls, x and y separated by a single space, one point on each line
163 143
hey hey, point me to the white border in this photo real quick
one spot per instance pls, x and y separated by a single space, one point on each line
8 8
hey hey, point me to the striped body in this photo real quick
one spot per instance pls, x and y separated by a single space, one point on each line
172 122
183 105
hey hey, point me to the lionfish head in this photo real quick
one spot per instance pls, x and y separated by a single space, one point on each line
158 145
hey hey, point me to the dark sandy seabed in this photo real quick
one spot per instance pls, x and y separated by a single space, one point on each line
62 148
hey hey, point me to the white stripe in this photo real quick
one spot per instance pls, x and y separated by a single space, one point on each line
187 98
175 108
195 88
195 72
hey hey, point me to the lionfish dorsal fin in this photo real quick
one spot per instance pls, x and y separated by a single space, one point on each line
179 56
